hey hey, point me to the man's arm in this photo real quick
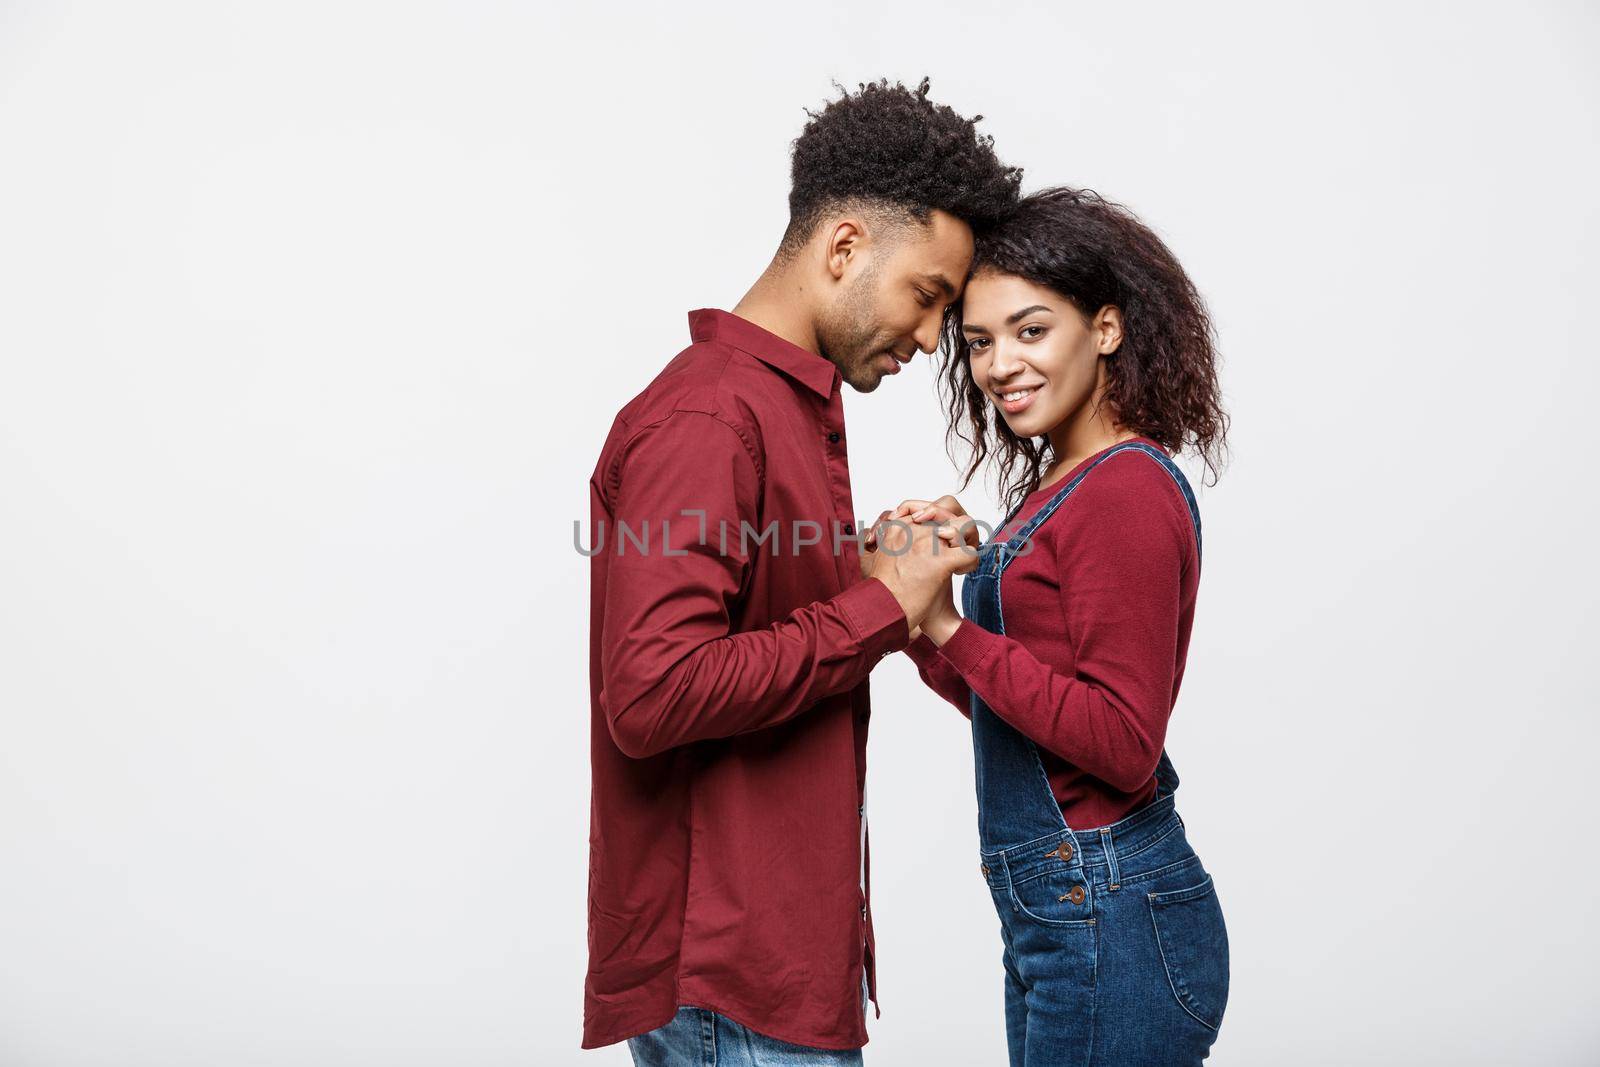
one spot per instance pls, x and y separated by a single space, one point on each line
671 671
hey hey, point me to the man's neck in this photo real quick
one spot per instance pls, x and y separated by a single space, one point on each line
777 303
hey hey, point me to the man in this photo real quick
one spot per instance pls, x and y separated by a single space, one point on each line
734 621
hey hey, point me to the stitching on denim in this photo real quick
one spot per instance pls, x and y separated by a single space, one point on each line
1135 823
1108 848
1000 619
1094 980
1023 909
1183 997
1152 843
1044 872
1179 896
1054 835
1162 871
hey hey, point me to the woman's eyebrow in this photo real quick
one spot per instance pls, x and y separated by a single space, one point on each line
1011 320
1017 316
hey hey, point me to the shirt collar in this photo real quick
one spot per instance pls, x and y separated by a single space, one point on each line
809 369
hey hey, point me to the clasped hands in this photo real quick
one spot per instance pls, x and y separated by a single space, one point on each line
916 550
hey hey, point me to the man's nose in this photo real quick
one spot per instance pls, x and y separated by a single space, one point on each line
927 337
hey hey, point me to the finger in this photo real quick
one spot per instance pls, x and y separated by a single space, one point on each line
872 531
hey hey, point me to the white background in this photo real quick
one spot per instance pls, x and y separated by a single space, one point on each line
313 319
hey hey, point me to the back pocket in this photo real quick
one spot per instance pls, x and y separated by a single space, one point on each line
1194 949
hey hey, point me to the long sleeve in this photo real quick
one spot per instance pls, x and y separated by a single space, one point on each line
673 672
1119 546
939 675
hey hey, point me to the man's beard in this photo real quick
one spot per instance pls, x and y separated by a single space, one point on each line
851 340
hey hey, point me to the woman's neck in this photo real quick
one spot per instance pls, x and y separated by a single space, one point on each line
1077 438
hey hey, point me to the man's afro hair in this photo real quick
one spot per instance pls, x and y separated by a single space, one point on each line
891 146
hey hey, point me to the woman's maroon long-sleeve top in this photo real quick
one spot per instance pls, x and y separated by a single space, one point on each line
1097 621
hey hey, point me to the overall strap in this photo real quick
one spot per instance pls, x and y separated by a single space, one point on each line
1015 800
1172 469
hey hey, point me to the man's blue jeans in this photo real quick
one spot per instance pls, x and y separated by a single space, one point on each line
699 1038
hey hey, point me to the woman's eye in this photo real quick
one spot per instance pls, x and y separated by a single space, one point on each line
976 343
1032 336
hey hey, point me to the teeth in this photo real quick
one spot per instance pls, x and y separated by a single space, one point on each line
1018 395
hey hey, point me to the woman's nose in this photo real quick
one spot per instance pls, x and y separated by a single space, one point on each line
1005 362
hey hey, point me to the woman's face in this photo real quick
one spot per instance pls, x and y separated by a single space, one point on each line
1032 353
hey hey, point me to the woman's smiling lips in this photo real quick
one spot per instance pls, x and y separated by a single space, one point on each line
1020 404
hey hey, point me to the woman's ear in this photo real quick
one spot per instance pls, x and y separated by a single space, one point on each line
1108 321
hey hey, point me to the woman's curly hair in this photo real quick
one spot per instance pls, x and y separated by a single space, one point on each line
1162 379
890 146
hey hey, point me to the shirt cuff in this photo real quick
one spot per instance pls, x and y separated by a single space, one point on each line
922 650
880 623
968 647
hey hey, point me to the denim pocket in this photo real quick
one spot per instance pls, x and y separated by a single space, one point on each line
1193 940
1056 898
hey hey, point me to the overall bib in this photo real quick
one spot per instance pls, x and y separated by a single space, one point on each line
1116 954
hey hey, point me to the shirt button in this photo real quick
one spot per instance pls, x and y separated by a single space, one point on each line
863 913
850 528
833 438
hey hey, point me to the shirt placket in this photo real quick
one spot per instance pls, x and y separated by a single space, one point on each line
847 562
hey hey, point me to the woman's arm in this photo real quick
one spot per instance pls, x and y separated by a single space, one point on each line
936 673
939 675
1120 547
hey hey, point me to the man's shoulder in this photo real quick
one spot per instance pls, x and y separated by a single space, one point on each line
705 384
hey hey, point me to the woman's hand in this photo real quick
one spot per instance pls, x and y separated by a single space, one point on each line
959 533
942 618
946 510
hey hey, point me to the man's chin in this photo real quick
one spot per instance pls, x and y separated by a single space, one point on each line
865 380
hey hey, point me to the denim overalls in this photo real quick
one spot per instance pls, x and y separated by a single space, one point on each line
1115 948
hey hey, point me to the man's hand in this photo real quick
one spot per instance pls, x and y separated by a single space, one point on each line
947 510
917 561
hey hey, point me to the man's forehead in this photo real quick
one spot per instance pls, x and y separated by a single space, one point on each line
939 251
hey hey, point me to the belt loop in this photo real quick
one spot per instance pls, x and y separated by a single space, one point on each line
1106 845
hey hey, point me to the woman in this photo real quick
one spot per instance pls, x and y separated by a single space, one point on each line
1081 330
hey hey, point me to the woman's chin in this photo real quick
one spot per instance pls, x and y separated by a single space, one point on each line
1024 425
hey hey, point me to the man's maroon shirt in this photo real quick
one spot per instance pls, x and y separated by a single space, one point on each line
729 701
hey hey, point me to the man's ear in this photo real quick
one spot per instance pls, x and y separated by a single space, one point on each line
847 238
1108 320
